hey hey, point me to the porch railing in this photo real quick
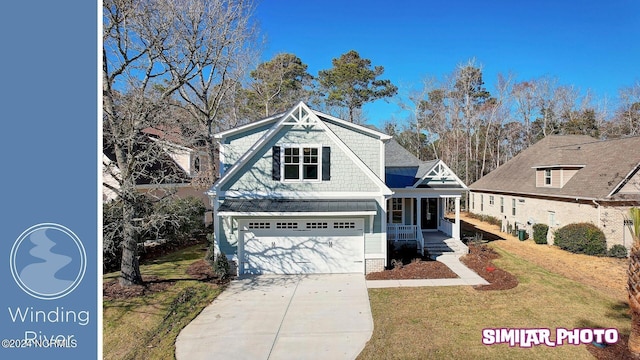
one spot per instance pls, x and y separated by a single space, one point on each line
406 233
446 227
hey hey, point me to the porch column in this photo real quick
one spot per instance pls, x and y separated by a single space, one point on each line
418 213
456 228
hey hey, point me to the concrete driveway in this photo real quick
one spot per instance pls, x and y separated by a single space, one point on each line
282 317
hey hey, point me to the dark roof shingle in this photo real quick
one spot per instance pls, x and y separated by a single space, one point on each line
604 165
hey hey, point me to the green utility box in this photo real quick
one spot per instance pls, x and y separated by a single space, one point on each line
522 234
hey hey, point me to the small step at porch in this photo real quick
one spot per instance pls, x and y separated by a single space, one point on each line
438 243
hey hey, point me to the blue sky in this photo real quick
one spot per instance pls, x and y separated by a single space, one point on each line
590 44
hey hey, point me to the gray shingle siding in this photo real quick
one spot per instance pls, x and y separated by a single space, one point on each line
255 174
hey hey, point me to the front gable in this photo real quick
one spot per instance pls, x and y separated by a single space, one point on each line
440 176
301 128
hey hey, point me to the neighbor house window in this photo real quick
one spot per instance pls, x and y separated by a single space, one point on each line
301 163
473 201
396 211
513 207
547 177
491 200
552 218
481 202
196 164
501 204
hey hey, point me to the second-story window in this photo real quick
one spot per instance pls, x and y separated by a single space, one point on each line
301 163
547 177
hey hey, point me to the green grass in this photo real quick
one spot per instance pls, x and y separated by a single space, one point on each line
146 327
447 322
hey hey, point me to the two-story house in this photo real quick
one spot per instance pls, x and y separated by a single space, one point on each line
305 192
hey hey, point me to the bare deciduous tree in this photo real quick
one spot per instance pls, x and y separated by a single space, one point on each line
153 51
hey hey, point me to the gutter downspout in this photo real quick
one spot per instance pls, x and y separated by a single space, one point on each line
597 207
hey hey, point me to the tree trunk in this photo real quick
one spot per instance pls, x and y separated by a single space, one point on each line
129 265
633 287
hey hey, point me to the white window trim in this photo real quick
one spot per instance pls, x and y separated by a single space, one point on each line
391 211
301 163
544 177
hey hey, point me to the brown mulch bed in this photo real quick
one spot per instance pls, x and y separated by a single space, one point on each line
113 290
417 269
617 351
479 260
201 270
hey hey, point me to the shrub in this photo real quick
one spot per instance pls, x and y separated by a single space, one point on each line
581 238
173 219
178 219
540 233
618 251
486 218
404 254
221 266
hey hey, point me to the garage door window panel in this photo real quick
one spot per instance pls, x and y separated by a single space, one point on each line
317 225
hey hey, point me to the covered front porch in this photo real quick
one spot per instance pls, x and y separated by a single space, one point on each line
417 219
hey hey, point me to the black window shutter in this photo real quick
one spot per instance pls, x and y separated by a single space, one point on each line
326 163
275 168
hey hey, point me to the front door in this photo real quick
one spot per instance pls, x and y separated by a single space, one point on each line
429 210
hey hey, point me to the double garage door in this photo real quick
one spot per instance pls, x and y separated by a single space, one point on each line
301 246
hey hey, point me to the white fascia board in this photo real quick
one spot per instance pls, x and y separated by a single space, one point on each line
253 149
170 144
295 214
422 192
255 124
298 195
221 158
383 161
381 136
557 166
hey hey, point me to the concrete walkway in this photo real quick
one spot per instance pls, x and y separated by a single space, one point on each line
465 276
282 317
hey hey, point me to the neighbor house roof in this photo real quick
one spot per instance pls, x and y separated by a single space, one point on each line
161 168
602 167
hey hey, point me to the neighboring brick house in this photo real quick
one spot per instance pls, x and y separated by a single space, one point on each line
305 192
562 180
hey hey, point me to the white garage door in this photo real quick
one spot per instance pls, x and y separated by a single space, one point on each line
294 246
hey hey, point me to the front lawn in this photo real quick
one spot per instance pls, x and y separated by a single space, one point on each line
146 325
447 322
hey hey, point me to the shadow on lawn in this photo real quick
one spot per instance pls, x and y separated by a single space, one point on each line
619 350
470 231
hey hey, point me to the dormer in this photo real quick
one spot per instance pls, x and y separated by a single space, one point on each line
555 176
